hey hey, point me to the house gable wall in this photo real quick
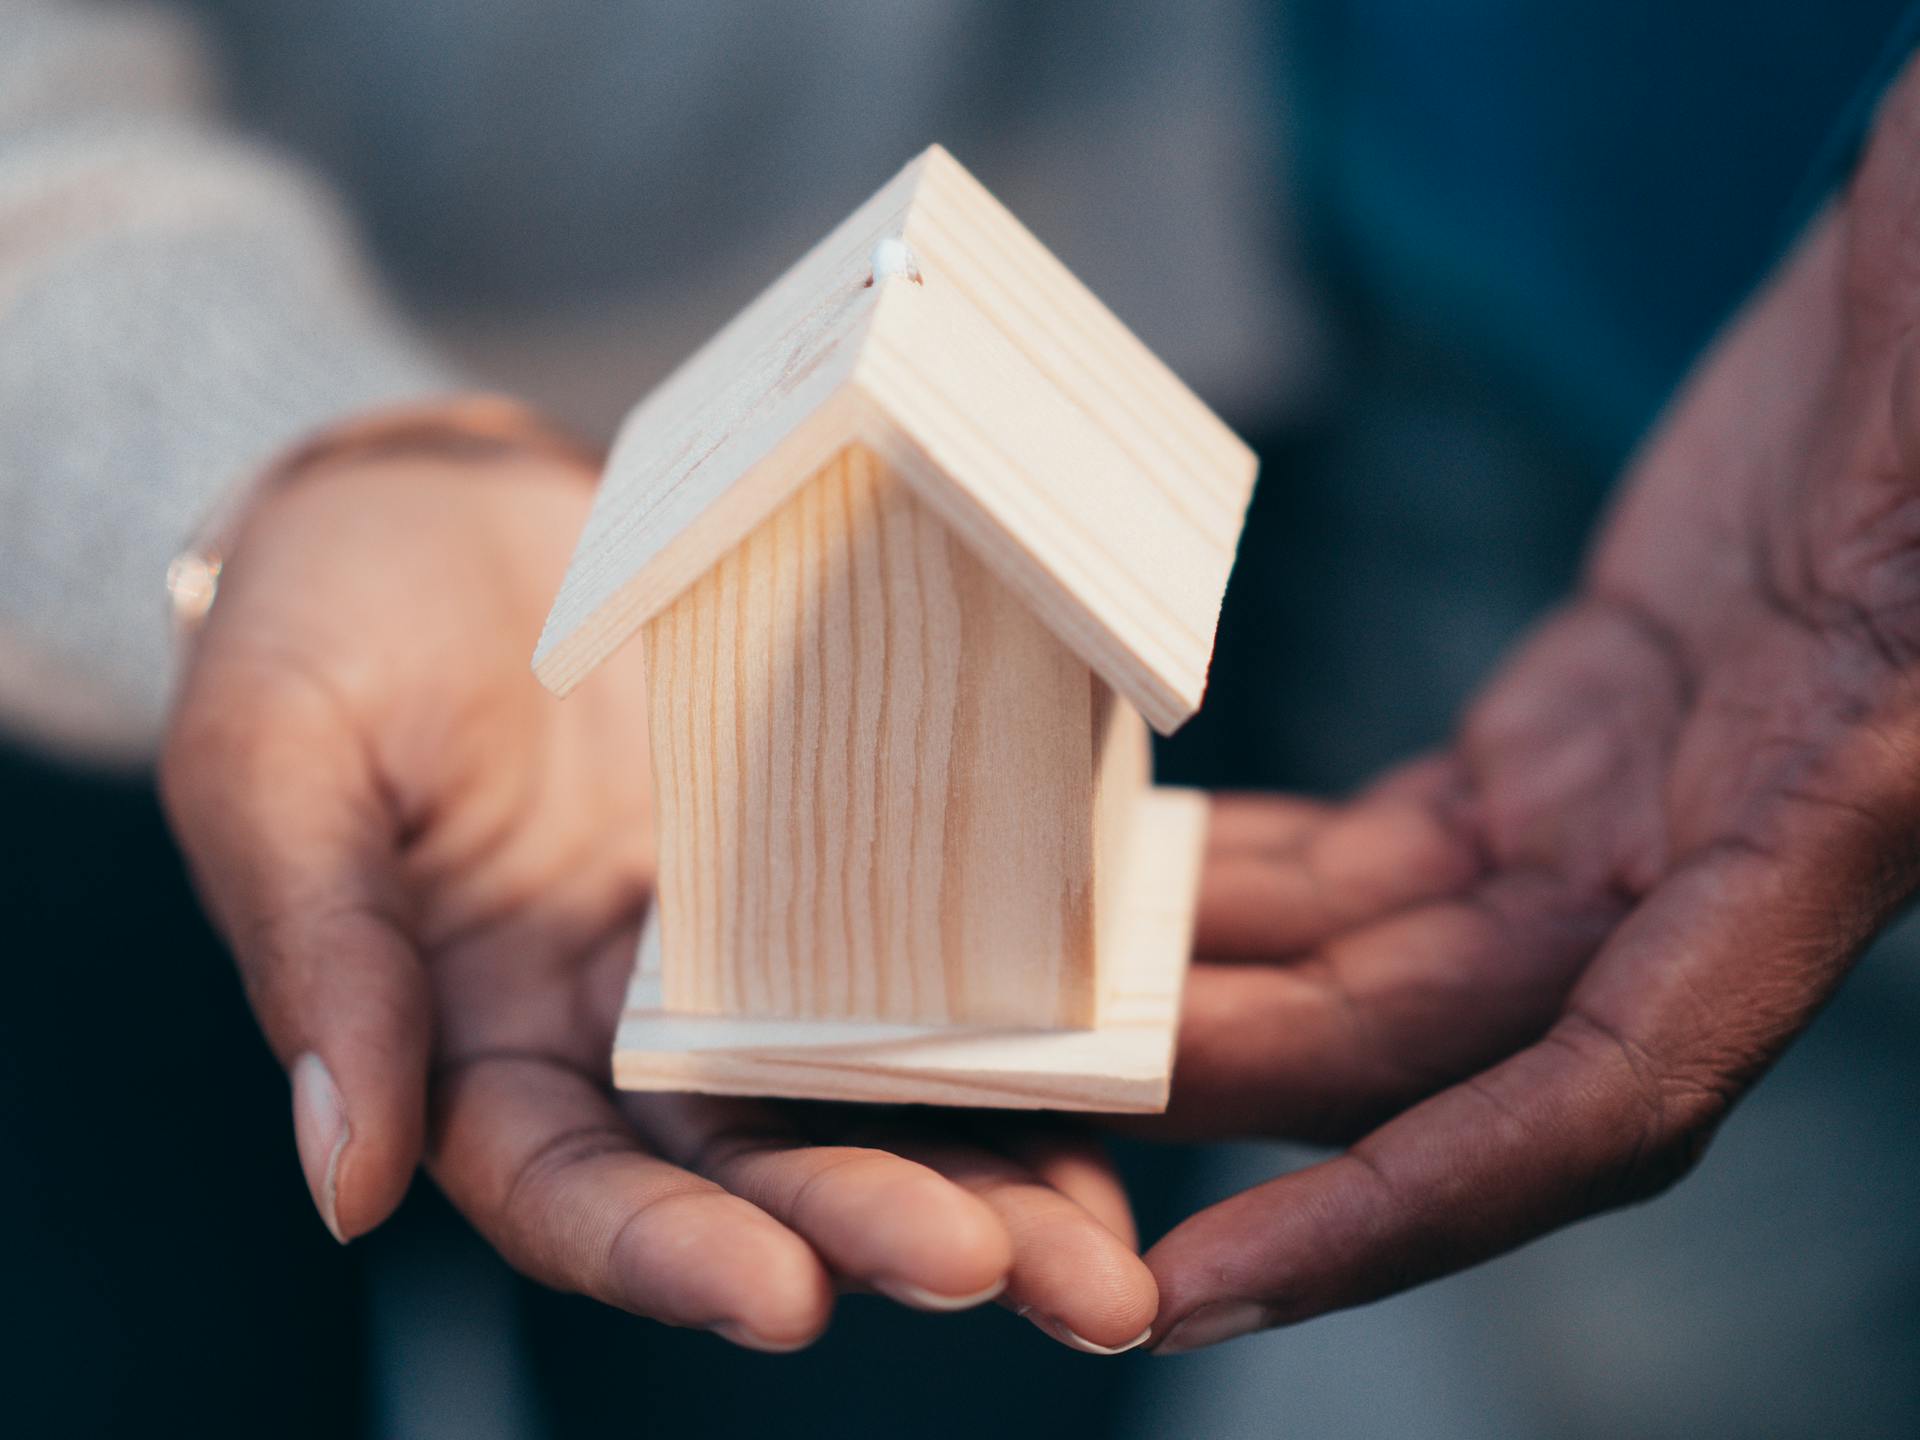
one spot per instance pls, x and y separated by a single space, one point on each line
885 790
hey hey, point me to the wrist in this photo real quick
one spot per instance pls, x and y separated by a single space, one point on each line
465 428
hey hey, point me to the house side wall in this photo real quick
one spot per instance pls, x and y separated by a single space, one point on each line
875 783
1123 770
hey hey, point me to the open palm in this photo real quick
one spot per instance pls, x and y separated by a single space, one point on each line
431 874
1528 975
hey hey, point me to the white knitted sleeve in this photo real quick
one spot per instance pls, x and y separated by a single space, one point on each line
175 307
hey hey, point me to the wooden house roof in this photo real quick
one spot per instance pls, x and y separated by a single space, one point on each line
931 327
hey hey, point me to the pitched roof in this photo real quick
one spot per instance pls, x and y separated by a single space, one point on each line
1074 464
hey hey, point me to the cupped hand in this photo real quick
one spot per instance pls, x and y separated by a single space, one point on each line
431 874
1527 977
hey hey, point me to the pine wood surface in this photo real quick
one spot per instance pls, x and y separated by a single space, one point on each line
883 788
1057 445
1064 455
1122 1064
723 441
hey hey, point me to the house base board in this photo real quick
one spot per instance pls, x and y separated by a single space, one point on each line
1123 1064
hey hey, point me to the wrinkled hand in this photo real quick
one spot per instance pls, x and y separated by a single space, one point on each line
431 873
1550 958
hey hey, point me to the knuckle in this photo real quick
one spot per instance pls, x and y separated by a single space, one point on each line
234 734
728 1148
191 754
311 967
1664 1116
1680 1125
829 1181
531 1184
528 1218
297 931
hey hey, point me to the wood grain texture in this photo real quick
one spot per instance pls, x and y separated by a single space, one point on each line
1123 778
1053 441
1068 459
723 441
884 790
1123 1064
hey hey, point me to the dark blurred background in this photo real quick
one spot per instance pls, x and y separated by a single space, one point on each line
1441 264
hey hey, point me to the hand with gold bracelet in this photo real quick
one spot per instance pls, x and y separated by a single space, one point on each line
431 874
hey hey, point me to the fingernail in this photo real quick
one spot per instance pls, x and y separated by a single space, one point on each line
320 1132
921 1298
1070 1337
740 1335
1210 1324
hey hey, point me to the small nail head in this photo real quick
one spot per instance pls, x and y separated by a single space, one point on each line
893 257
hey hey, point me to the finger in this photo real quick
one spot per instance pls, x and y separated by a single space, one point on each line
1072 1275
1693 995
1280 877
1079 1166
538 1157
877 1219
292 848
1325 1045
1262 822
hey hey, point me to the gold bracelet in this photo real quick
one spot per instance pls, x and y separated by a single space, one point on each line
475 427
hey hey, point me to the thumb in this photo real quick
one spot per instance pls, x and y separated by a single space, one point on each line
272 795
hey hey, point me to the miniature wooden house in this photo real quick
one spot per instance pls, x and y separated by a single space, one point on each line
914 547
